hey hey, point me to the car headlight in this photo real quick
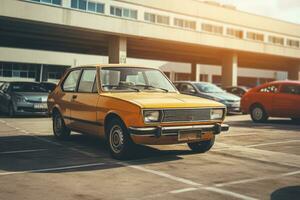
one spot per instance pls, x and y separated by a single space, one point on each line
216 114
151 116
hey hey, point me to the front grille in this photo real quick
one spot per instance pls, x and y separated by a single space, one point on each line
186 115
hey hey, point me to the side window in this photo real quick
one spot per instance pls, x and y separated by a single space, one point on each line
187 88
269 89
87 80
69 85
290 89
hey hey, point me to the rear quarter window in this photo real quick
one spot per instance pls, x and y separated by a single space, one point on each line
70 82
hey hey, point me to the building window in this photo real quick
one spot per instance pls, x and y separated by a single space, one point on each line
276 40
235 33
18 70
255 36
55 2
88 5
212 28
155 18
123 12
293 43
185 23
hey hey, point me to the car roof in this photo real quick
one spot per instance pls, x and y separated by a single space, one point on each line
112 65
284 82
191 82
21 82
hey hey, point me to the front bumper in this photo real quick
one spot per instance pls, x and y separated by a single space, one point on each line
168 135
29 109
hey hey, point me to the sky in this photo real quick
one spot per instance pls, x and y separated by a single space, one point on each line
287 10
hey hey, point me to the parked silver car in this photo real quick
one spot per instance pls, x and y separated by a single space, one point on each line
23 98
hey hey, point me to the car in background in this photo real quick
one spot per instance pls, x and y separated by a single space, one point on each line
237 90
48 86
23 98
275 99
210 91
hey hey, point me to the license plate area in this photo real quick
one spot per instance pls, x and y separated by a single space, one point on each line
189 135
40 106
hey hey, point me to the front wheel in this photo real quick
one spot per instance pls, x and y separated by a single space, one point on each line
258 114
59 128
119 141
203 146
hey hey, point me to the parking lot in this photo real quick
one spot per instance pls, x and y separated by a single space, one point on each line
252 161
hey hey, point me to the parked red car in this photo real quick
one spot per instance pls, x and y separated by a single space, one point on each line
275 99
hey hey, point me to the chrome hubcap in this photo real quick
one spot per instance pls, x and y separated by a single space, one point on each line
116 138
257 113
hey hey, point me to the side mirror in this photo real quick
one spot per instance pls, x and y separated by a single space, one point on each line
192 91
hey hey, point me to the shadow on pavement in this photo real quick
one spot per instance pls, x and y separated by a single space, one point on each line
79 150
290 193
278 124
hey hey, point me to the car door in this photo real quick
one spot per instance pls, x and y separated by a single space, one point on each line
83 111
65 100
286 102
265 96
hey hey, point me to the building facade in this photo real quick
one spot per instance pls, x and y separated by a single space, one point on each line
41 38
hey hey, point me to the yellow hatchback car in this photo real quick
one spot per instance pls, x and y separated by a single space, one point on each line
130 105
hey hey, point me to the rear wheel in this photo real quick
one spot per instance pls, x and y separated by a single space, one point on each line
59 128
119 141
203 146
258 114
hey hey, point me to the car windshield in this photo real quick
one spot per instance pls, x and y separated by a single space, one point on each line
134 79
208 88
27 87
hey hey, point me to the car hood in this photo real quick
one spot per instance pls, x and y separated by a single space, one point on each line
224 96
33 96
164 100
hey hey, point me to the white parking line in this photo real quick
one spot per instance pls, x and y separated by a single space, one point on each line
257 179
228 193
52 169
272 143
162 174
188 182
23 151
183 190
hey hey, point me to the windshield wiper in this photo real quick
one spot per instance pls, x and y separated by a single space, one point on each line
122 86
153 87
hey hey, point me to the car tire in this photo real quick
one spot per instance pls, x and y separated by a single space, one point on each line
11 110
60 130
258 114
203 146
119 142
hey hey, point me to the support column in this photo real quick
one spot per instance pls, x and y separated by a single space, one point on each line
117 50
209 78
41 73
195 72
172 76
229 69
293 72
